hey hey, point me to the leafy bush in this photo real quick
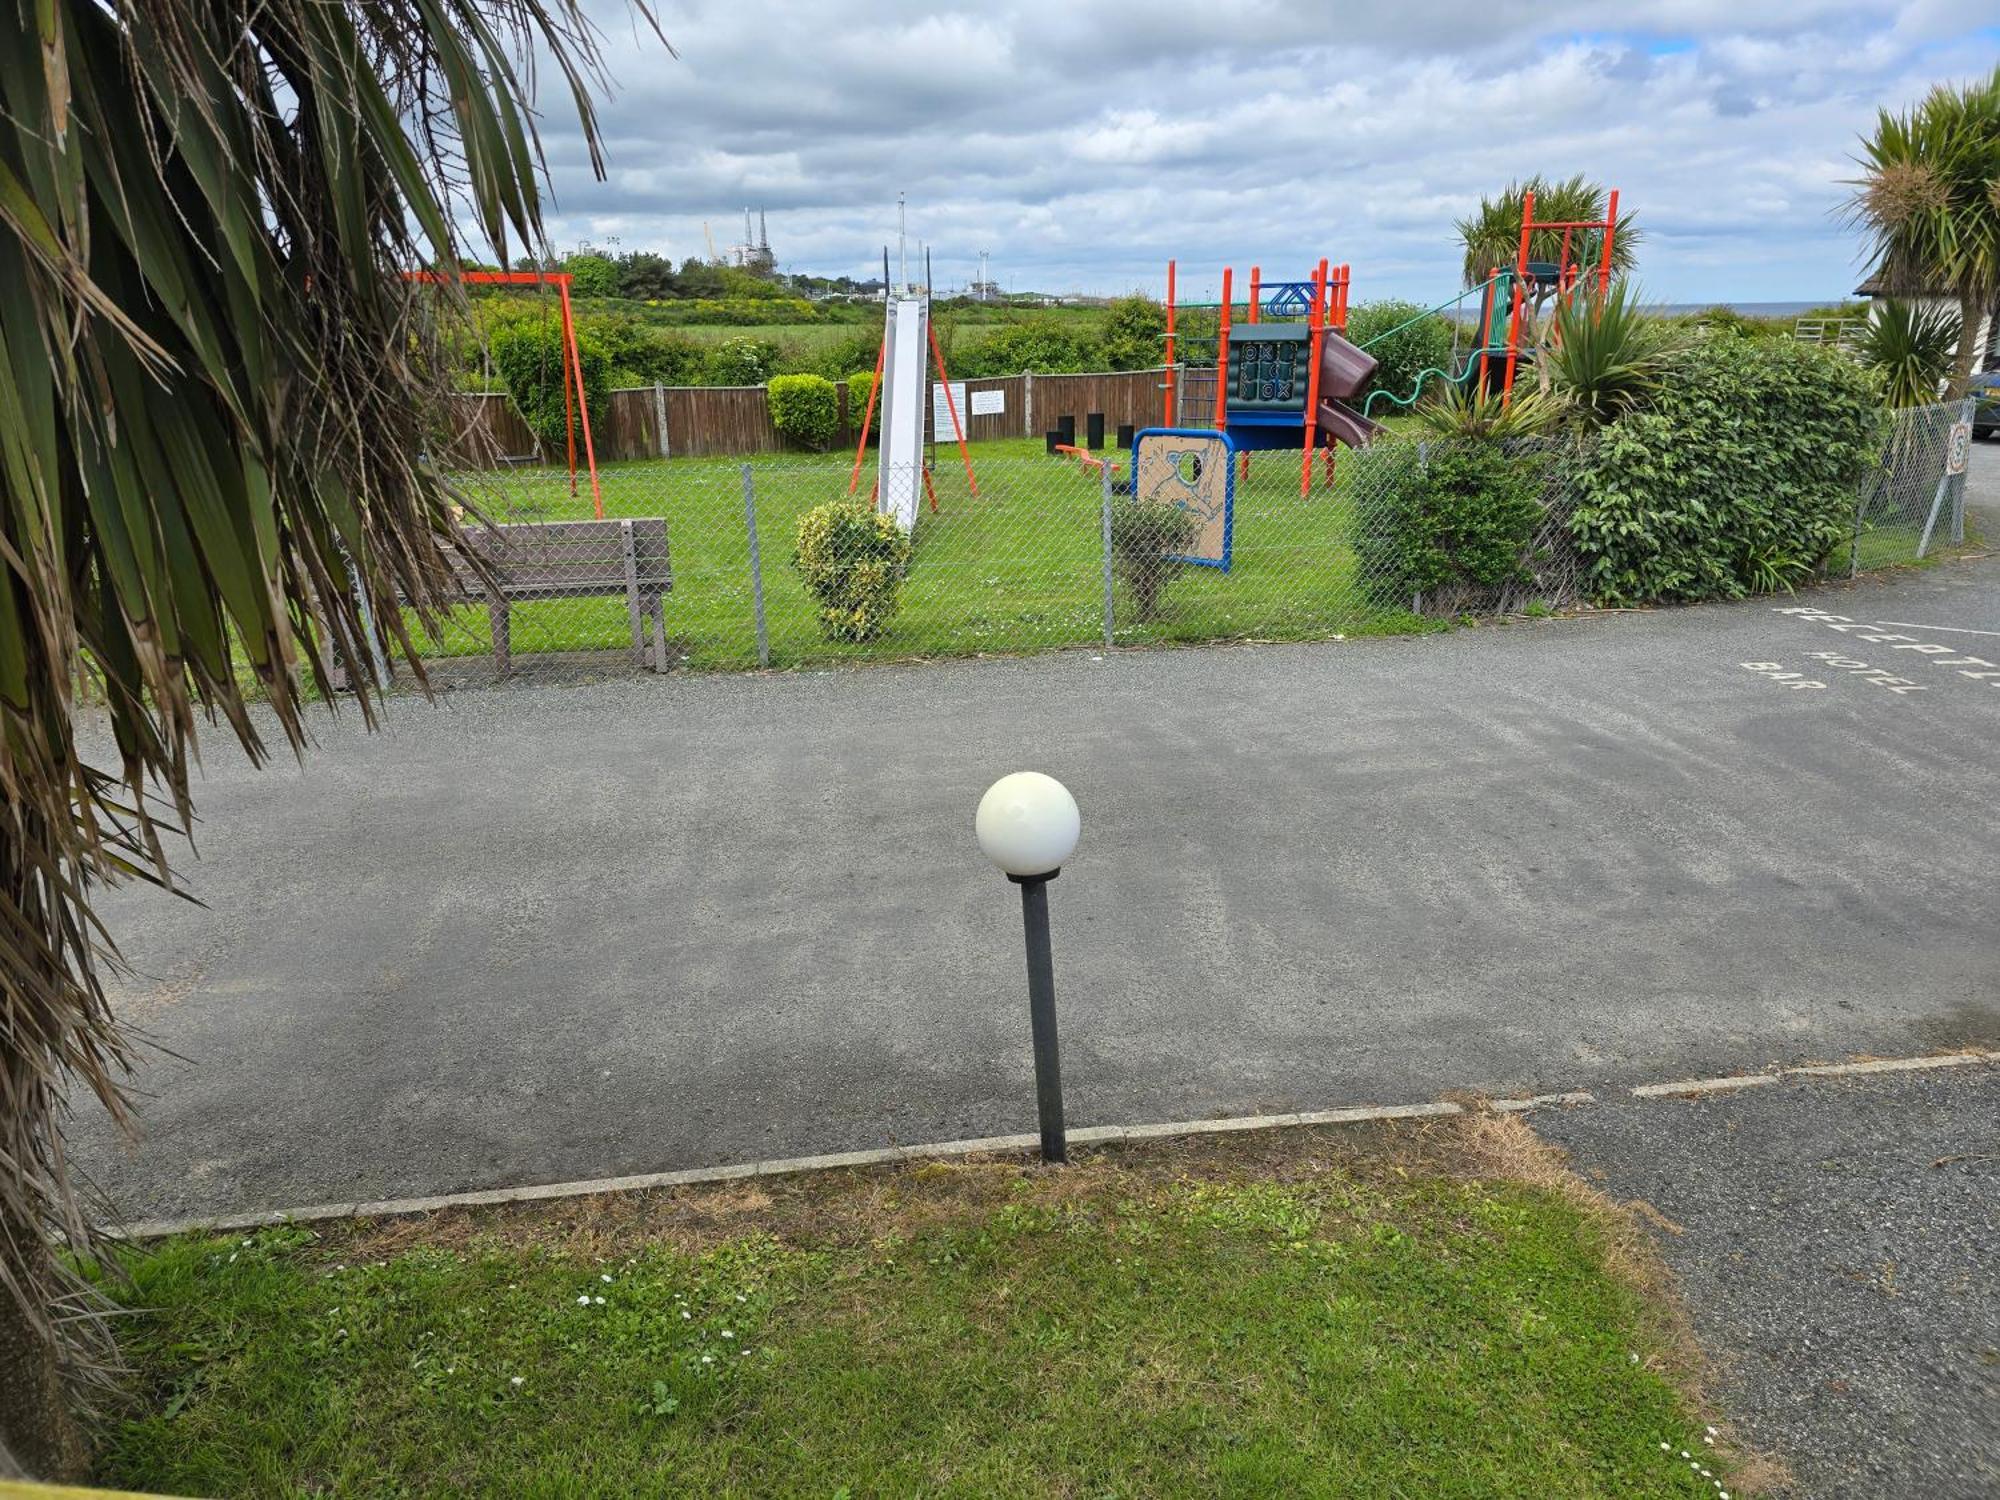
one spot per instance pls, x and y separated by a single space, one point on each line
1145 535
742 361
1456 519
851 558
1910 348
641 355
1043 346
1133 335
529 357
804 408
1738 476
853 351
592 276
1405 354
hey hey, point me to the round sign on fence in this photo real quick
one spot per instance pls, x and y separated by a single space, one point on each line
1958 453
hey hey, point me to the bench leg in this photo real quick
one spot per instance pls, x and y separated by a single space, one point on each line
497 615
659 613
634 613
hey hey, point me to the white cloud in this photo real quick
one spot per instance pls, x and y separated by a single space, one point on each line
1083 143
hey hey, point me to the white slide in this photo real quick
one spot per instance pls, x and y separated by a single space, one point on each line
900 463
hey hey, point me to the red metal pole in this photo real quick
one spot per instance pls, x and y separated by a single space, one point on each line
583 408
1520 280
1610 230
1222 359
868 416
1256 277
1312 378
1169 415
958 432
569 412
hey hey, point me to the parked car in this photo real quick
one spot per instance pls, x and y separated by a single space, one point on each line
1986 414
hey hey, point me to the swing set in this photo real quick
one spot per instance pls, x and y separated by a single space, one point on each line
576 411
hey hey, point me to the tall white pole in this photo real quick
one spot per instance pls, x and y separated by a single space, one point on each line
902 245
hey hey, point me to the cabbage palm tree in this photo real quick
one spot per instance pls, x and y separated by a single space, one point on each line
1492 235
1929 198
212 425
1909 347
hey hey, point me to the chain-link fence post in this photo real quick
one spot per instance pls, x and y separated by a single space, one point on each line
756 567
1965 415
1945 486
1104 494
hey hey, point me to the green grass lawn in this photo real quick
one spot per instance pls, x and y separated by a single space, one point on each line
1016 567
1287 1318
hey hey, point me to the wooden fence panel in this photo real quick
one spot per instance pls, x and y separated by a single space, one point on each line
1124 396
706 421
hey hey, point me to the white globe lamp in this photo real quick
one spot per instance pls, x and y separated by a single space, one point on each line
1028 824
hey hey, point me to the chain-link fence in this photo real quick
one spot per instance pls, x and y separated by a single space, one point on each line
1026 552
1913 500
697 562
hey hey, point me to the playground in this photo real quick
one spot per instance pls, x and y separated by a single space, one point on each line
1296 471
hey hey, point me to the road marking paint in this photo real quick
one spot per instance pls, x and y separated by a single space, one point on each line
1947 629
1542 1101
1891 1065
1704 1085
150 1229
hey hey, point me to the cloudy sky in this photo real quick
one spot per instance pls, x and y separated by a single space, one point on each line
1082 142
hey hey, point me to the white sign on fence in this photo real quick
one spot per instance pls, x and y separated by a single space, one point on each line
1959 453
941 422
989 403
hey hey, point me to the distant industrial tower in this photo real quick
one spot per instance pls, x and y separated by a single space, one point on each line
984 290
754 255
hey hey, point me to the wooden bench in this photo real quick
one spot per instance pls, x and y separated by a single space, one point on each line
572 560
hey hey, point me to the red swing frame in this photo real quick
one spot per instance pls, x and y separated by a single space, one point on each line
574 405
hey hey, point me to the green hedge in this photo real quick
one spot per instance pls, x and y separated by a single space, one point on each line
529 357
1451 516
1738 477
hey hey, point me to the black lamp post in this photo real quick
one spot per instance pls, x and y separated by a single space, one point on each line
1028 825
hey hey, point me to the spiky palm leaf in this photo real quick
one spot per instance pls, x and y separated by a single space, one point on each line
1605 355
212 383
1463 411
1929 198
1492 234
1909 347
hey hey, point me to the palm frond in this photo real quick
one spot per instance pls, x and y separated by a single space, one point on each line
214 394
1606 355
1909 347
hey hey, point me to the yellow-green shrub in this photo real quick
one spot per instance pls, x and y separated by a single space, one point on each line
851 558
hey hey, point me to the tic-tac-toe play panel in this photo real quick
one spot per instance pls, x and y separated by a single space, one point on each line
1195 470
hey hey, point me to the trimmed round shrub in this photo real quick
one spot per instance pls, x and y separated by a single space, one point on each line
805 409
851 558
1739 476
858 386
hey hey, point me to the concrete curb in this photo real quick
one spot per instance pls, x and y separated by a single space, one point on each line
1092 1135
